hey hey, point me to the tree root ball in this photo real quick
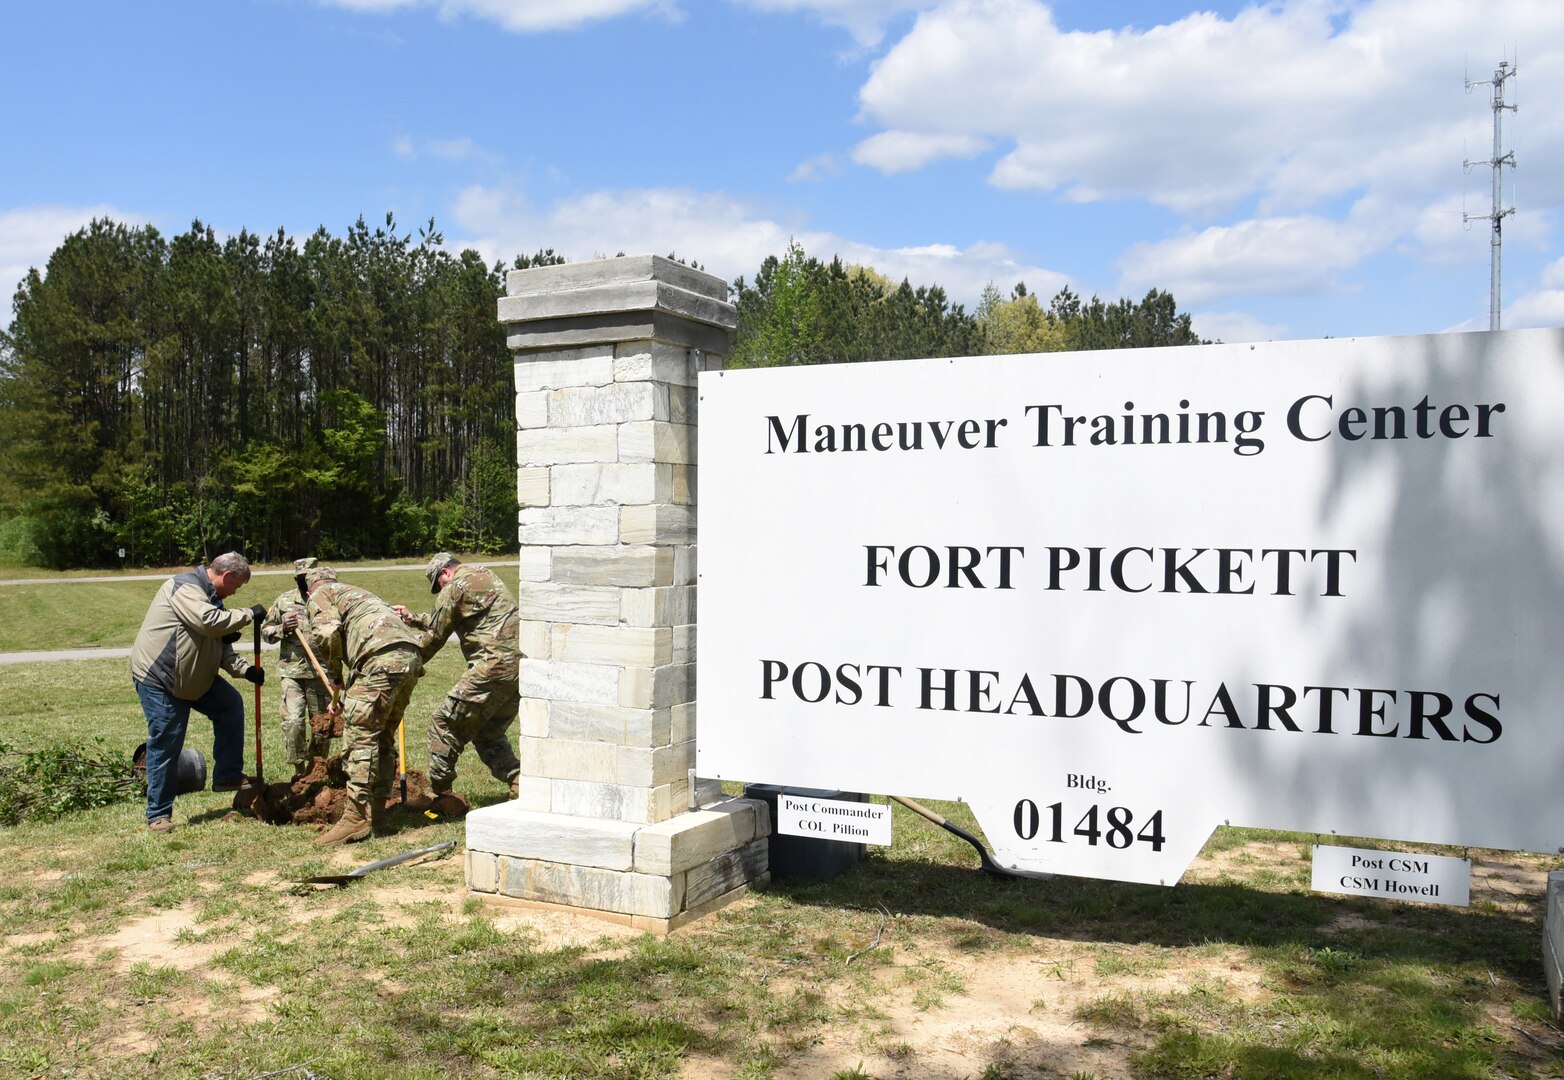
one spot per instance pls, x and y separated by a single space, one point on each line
317 796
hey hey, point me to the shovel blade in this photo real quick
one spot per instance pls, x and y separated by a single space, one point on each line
354 875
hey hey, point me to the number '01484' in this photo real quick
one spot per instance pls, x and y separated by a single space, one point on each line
1114 826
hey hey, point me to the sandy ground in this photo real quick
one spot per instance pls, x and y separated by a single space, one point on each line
934 1010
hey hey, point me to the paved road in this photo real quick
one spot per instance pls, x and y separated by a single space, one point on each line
165 576
91 654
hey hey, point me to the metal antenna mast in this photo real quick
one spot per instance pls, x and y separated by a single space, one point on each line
1498 162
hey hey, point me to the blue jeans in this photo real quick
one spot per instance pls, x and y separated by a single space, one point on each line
167 719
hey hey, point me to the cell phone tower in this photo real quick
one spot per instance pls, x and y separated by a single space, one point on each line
1499 160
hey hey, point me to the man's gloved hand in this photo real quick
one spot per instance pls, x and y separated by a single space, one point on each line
256 675
229 639
258 612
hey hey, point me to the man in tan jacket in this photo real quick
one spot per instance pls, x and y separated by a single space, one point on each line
186 636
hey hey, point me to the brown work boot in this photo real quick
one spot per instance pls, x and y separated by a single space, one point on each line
353 827
515 786
449 804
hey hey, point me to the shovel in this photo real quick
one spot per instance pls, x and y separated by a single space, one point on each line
401 757
314 663
260 775
987 860
353 875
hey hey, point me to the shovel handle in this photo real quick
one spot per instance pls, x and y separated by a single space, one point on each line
314 663
984 858
401 756
259 772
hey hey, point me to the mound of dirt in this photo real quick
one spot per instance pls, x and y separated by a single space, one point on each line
316 797
326 726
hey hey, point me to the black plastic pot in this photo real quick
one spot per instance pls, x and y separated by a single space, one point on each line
189 775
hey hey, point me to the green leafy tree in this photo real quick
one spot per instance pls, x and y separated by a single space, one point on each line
1018 324
803 311
172 397
779 319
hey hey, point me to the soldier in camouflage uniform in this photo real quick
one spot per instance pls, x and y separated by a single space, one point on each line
303 692
381 655
475 604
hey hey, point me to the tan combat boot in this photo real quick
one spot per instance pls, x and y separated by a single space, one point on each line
377 817
515 786
354 826
446 802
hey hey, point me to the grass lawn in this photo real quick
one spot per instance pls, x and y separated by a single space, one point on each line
124 954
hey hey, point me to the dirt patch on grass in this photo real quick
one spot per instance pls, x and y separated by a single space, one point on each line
564 930
161 938
1241 863
1023 1010
23 941
1510 885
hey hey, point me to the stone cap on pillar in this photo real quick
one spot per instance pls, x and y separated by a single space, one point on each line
608 301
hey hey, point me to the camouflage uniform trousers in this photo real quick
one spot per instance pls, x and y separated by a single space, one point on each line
460 720
301 699
372 707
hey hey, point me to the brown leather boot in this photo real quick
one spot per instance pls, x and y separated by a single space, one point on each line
353 826
515 785
450 805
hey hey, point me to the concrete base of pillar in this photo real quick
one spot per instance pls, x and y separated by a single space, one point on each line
639 922
653 876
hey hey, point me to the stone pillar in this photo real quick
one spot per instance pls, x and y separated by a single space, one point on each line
607 354
1553 943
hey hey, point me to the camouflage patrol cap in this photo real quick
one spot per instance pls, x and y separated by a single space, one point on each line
320 573
440 561
307 563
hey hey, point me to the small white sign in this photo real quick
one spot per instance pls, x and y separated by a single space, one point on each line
1392 875
833 819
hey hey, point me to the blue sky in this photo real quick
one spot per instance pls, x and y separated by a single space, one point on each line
1292 170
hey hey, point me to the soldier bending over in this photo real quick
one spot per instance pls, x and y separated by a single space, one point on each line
303 692
381 656
475 604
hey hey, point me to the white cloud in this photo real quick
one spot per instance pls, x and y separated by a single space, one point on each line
865 20
457 149
1233 327
1282 115
1445 234
1292 255
522 16
29 235
728 237
1292 103
1543 306
816 168
899 151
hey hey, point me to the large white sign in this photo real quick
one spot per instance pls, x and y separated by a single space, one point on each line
1113 600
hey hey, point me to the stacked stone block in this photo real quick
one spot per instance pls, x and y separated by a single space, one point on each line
607 358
